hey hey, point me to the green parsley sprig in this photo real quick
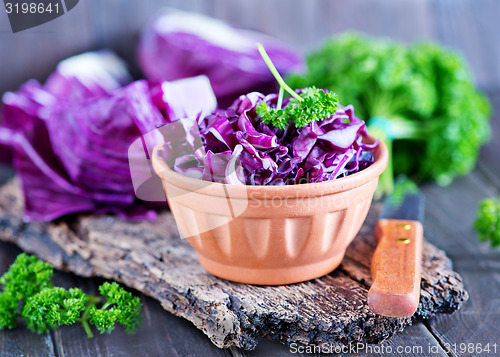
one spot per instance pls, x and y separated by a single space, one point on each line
311 104
28 293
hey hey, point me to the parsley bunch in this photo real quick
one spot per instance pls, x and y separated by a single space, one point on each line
310 104
420 99
29 294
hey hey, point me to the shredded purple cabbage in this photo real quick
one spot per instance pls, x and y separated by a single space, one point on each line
239 148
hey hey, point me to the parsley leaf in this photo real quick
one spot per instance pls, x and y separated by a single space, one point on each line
315 105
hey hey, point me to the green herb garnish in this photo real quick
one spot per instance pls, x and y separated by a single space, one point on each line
487 223
311 104
28 293
420 99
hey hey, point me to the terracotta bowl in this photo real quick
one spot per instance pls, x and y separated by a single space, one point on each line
270 235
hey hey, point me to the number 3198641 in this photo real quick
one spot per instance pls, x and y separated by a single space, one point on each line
31 8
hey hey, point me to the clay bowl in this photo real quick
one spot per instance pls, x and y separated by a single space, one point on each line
270 235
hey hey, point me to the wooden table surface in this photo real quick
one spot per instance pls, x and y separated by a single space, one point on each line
468 25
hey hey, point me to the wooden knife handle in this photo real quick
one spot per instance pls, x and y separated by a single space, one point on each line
396 268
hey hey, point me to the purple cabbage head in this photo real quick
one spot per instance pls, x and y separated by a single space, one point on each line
71 136
179 44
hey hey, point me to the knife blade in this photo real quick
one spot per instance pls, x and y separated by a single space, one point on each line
397 260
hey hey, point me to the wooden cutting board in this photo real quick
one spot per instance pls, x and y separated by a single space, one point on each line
152 258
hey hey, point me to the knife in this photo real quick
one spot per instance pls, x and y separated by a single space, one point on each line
397 260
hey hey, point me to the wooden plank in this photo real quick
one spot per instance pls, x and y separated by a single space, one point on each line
471 26
415 340
161 335
489 163
305 24
6 173
152 258
35 52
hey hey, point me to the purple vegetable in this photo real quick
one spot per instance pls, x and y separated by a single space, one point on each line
91 138
176 99
88 75
179 44
237 147
71 137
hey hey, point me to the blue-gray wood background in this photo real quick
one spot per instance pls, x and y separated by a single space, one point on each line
469 26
